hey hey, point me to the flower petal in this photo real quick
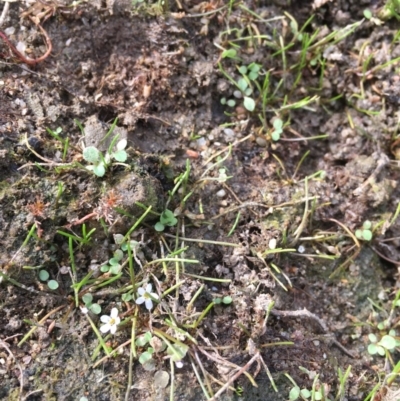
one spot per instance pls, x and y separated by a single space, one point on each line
140 300
149 287
114 313
141 291
105 318
105 328
149 304
113 329
117 321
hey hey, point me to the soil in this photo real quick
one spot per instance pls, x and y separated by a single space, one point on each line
160 70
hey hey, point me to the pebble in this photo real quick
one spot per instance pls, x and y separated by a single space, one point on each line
221 193
261 141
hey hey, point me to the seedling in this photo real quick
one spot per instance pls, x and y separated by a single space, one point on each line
244 85
225 300
276 133
389 10
304 394
44 276
100 162
114 266
167 218
87 300
365 233
387 343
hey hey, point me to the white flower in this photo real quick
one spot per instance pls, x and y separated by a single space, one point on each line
111 322
145 296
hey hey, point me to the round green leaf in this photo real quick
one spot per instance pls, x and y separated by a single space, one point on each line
305 393
372 337
99 170
381 350
242 84
227 300
223 100
104 268
367 235
318 396
159 226
253 75
120 156
44 275
146 356
249 103
278 124
95 308
118 239
168 218
87 299
231 103
294 393
230 53
115 269
243 69
367 225
118 254
91 154
53 285
388 342
126 297
367 13
141 341
254 67
276 135
359 234
372 350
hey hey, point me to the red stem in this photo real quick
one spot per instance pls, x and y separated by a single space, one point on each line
21 57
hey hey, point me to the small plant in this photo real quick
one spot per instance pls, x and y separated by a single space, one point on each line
225 300
244 86
101 162
93 307
278 129
387 343
167 218
114 266
365 233
44 276
317 391
146 357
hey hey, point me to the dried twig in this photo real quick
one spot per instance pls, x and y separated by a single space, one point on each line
4 13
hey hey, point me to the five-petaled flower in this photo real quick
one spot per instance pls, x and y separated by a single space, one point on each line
145 296
111 322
